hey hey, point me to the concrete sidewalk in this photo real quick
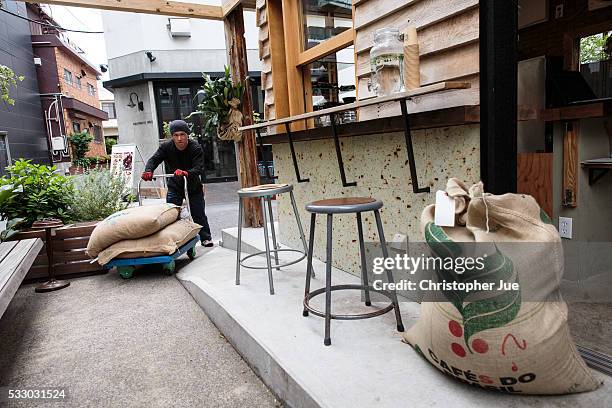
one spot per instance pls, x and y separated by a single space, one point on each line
123 343
367 365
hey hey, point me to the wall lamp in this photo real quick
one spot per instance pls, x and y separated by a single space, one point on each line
150 56
138 102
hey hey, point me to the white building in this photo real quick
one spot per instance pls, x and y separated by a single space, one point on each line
156 64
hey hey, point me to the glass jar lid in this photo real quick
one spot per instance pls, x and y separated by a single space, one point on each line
385 33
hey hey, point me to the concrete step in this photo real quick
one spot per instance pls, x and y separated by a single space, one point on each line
367 365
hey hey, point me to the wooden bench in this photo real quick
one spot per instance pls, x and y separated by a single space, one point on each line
16 258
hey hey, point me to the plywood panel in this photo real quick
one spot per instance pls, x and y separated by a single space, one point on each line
534 177
420 14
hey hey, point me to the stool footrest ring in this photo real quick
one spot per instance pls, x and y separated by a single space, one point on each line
320 291
273 265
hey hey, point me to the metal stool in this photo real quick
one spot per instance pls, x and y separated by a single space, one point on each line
355 205
265 193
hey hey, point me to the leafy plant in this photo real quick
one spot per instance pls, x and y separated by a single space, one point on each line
8 78
109 142
595 47
80 146
45 193
217 93
98 193
12 227
166 130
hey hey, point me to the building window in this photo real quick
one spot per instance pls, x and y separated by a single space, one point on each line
323 19
90 89
596 63
67 76
109 108
330 81
97 134
78 82
76 127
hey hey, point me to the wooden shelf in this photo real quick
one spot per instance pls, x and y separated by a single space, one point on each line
597 109
460 115
424 90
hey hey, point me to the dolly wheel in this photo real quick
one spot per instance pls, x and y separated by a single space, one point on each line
191 253
126 272
169 268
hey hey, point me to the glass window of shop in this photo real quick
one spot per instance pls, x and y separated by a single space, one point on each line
323 19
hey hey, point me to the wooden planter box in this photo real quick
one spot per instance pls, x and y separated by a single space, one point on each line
69 257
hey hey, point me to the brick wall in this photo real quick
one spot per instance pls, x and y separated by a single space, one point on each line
75 66
547 38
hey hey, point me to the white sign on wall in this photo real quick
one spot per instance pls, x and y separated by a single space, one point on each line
122 162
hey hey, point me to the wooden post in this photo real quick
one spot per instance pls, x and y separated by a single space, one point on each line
498 94
247 153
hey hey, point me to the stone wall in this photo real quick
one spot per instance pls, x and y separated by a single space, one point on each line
379 165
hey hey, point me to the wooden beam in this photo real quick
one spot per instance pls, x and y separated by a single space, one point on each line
498 94
277 55
331 45
160 7
247 153
570 165
292 32
229 5
534 177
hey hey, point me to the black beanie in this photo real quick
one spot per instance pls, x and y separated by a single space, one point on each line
178 125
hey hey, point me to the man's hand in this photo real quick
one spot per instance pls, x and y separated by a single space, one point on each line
179 173
147 176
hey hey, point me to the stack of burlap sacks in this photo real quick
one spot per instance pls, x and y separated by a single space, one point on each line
141 232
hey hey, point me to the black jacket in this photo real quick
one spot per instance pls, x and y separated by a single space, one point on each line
191 160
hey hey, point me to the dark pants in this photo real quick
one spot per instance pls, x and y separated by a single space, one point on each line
196 205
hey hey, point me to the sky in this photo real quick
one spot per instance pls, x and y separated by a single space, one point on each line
78 18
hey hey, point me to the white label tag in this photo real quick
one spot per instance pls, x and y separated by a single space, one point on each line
445 210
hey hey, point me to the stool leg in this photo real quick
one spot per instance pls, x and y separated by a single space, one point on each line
364 267
266 240
328 270
309 261
301 230
239 245
383 244
274 244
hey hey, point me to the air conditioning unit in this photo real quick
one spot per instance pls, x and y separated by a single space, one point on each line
58 143
179 27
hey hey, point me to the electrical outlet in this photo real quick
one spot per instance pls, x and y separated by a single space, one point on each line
565 227
559 11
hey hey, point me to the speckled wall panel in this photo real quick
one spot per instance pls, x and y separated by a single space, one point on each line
379 165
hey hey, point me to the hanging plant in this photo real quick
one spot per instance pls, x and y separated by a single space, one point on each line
8 79
219 107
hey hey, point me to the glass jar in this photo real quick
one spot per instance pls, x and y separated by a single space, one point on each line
387 62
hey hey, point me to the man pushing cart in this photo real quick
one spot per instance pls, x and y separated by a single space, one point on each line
183 158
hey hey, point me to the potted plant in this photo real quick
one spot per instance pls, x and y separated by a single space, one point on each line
219 107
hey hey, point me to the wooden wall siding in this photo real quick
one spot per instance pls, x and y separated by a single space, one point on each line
448 44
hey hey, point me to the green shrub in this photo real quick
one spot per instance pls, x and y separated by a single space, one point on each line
80 146
45 194
8 79
109 142
97 194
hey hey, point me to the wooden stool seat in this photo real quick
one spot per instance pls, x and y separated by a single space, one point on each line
343 205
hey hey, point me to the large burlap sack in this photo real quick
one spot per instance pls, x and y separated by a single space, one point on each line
164 242
510 341
131 223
